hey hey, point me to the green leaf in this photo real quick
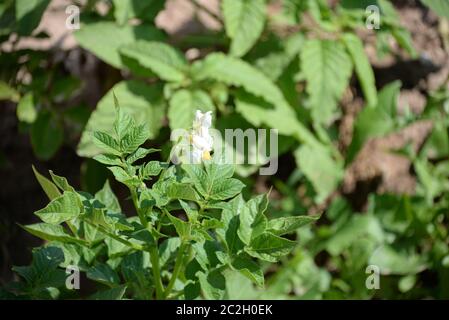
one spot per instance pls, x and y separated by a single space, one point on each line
362 66
96 215
47 135
228 188
184 103
143 237
211 223
107 197
29 13
437 145
107 143
321 12
249 269
182 228
140 153
134 266
144 103
391 261
377 121
122 176
327 68
432 185
239 287
128 9
230 217
44 272
135 138
206 254
198 176
152 168
388 98
50 189
164 60
104 39
356 228
115 247
8 93
191 213
158 193
51 232
182 191
219 171
234 71
108 159
213 285
286 225
407 283
103 273
168 249
270 247
61 182
26 111
220 185
123 122
244 23
320 168
63 208
74 254
214 182
404 39
274 63
440 7
116 293
278 114
252 219
192 290
369 123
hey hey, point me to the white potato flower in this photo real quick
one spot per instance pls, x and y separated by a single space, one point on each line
196 145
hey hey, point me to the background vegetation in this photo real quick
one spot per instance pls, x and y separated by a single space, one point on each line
362 115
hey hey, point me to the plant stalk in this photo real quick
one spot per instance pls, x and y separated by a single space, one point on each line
116 237
154 257
176 270
142 218
153 250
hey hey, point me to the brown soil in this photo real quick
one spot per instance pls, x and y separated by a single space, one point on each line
377 168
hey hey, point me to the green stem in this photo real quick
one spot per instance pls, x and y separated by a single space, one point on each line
142 218
201 211
176 270
154 257
153 250
175 295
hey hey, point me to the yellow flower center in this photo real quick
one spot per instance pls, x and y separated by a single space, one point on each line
206 155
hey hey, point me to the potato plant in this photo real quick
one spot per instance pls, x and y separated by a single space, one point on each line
192 227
